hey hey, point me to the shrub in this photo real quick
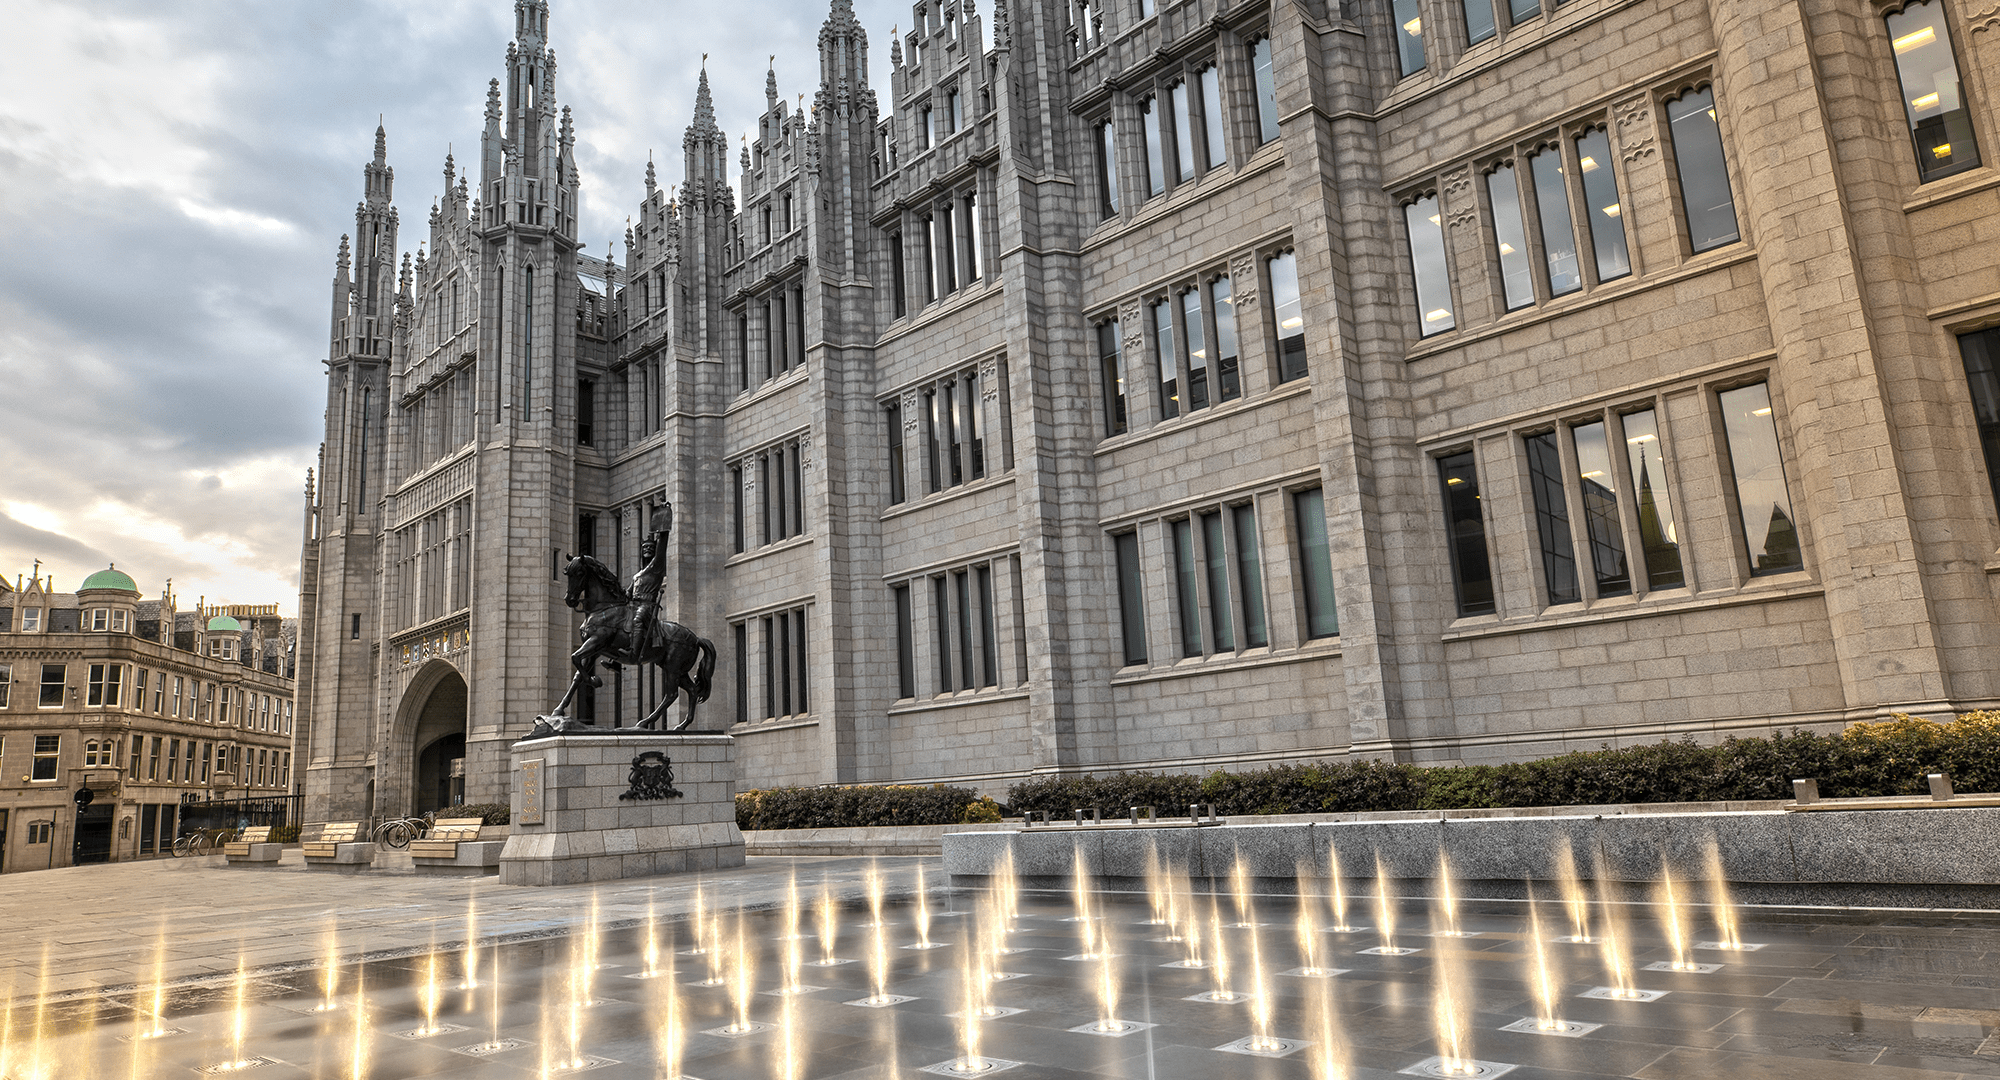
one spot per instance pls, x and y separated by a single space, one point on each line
487 813
852 807
981 810
284 834
1889 757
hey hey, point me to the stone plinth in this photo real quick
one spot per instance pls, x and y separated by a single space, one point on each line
345 858
255 854
468 858
570 824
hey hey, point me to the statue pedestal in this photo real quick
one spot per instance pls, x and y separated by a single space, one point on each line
570 824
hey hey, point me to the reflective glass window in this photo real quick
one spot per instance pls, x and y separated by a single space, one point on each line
1156 162
1288 315
1131 601
1183 131
1704 173
1933 98
1107 167
1552 519
1163 357
1558 236
1433 277
1659 539
1981 353
1315 564
1194 344
1228 380
1602 524
1602 213
1250 576
1769 529
1465 529
1186 598
1479 24
1510 236
1213 140
1267 90
1409 35
1215 564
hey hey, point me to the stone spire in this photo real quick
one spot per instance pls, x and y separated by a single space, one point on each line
771 84
896 46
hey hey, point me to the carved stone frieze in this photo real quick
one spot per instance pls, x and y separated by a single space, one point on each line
1635 128
1243 281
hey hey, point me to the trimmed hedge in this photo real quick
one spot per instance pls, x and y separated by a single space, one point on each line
851 807
1886 758
487 813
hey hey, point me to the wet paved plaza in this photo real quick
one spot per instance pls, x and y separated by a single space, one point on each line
1830 995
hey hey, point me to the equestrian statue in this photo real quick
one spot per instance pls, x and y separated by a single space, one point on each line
621 627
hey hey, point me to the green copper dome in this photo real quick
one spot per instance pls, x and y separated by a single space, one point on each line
112 578
223 622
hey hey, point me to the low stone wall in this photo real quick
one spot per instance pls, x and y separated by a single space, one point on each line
875 840
1877 858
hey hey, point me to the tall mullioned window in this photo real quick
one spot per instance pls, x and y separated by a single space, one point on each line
1315 564
1177 95
1156 162
1479 21
1107 168
1770 531
1465 528
1250 575
1703 170
1214 143
1267 90
1603 528
1981 353
1111 377
1408 17
1659 538
906 648
1558 236
1186 596
1933 97
1510 238
1603 215
1288 315
1552 519
1164 360
1425 225
1131 597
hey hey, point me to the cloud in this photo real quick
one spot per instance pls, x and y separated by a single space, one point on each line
178 177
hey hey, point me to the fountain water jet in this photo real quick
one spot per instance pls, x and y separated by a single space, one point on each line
649 951
472 943
1337 892
154 1023
1385 914
1261 1040
1454 1029
1328 1060
1728 933
1447 900
1307 927
1575 900
1617 954
1542 983
1086 922
670 1039
742 981
329 968
921 916
828 912
1239 888
430 994
794 953
357 1046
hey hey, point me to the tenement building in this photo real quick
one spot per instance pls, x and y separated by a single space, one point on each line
115 712
1180 385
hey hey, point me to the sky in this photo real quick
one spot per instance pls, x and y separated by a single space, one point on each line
176 179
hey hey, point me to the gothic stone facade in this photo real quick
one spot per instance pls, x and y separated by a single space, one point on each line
1197 384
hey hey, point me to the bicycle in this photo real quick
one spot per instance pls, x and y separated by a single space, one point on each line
200 842
398 832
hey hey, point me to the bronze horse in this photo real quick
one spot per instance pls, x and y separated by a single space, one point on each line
687 658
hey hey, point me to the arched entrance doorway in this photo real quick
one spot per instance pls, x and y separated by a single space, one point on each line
439 744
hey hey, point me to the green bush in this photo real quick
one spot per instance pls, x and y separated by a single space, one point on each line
852 807
487 813
1890 757
982 810
284 834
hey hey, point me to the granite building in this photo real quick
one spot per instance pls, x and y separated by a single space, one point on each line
141 705
1174 385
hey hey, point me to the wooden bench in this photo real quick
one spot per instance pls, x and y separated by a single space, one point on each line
453 849
334 847
253 848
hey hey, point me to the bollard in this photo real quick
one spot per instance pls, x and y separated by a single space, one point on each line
1805 791
1940 787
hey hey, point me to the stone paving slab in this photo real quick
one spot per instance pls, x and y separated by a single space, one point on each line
98 927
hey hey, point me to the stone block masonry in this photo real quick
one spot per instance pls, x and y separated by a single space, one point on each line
571 825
